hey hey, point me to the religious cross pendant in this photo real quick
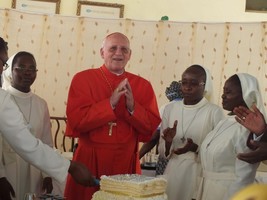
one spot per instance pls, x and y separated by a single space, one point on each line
183 139
111 124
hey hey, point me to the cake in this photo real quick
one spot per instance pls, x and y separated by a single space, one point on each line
131 187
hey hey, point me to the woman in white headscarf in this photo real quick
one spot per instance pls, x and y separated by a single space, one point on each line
184 126
223 173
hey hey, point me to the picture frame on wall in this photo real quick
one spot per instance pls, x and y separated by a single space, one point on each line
37 6
259 6
100 9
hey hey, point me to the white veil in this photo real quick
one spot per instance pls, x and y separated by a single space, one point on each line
251 92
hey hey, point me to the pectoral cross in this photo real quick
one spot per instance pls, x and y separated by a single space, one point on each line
182 139
111 124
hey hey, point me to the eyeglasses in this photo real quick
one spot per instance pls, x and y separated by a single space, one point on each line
5 65
23 69
191 83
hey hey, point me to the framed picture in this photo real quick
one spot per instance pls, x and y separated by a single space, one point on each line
37 6
100 10
256 6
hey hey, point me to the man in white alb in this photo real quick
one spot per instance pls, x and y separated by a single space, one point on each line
16 133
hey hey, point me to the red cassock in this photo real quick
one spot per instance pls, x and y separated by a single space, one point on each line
108 139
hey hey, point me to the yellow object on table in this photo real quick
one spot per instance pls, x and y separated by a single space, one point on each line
252 192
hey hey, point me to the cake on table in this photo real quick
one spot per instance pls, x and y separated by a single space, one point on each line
131 187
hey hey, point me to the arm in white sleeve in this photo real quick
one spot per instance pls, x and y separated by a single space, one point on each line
46 135
32 150
245 172
163 126
245 175
2 167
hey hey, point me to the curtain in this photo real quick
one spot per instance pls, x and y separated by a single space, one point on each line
161 50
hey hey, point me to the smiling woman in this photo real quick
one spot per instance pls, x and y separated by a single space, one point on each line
224 174
196 116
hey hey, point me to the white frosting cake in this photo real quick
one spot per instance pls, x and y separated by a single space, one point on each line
101 195
131 187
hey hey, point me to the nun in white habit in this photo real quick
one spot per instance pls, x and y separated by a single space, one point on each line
196 117
223 173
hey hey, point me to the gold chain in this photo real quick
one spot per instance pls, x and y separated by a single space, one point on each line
111 124
106 79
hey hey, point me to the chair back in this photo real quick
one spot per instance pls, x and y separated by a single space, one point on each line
61 141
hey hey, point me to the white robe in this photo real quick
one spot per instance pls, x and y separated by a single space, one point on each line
16 133
162 160
195 122
23 176
223 173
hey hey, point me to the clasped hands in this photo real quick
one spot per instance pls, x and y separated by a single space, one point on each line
189 146
169 134
124 88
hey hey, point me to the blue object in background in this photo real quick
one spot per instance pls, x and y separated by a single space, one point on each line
97 181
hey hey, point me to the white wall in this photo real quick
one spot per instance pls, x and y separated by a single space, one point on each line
177 10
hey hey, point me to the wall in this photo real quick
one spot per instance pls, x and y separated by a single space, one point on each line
177 10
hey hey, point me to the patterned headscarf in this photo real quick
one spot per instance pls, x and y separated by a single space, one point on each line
174 91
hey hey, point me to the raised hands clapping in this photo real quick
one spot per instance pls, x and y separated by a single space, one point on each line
255 122
251 119
169 133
